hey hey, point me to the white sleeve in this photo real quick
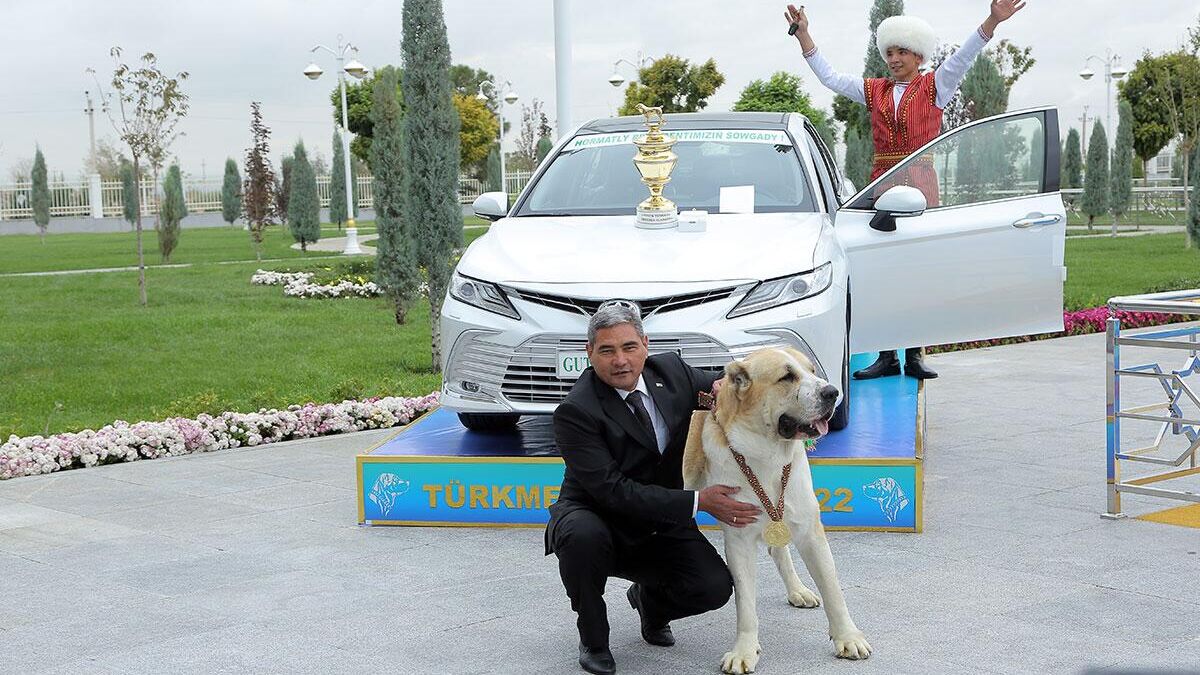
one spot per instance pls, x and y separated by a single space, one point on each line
696 504
952 71
840 83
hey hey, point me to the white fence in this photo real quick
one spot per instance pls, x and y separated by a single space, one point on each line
74 198
1161 200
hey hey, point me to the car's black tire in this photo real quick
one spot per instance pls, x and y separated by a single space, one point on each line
841 415
489 421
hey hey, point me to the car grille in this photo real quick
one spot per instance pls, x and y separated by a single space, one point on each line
650 307
531 375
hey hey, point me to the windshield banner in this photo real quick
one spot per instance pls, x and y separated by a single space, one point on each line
773 137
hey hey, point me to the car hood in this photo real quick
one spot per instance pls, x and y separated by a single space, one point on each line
610 249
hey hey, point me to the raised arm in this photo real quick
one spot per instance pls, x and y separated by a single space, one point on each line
950 74
840 83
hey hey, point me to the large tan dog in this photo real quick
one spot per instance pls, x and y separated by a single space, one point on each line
768 405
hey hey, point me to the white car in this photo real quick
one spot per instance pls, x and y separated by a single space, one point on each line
807 263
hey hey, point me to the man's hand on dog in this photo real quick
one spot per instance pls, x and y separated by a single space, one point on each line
716 499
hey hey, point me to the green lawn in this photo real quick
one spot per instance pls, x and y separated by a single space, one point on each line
1102 267
1142 218
211 341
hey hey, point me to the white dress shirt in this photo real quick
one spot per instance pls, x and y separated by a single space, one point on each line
947 77
657 421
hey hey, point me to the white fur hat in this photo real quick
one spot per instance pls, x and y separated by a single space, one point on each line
909 32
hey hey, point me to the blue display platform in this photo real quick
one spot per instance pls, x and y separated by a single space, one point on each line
435 472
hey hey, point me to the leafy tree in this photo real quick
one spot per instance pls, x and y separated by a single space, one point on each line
492 175
1153 128
106 161
258 193
1072 162
1011 60
40 194
533 124
1122 164
150 106
130 201
171 211
396 268
673 83
544 146
283 188
358 112
984 91
337 181
1193 222
303 206
466 81
783 93
231 193
430 153
478 129
1095 200
1179 84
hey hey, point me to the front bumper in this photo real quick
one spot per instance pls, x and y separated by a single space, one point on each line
495 364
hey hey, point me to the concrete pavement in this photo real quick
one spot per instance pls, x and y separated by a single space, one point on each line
250 560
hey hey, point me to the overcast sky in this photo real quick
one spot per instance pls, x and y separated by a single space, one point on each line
249 50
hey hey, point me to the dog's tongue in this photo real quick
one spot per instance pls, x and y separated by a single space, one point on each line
822 426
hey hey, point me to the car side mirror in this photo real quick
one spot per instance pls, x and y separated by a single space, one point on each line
491 205
900 201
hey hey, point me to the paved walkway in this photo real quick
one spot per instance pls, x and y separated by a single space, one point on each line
249 560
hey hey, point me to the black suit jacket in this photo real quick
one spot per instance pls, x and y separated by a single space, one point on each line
613 466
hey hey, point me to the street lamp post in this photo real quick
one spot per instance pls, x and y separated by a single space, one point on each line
358 70
507 95
616 79
1112 70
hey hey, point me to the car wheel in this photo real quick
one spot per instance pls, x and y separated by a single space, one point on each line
489 421
841 416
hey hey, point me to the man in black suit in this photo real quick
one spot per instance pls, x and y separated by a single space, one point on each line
622 510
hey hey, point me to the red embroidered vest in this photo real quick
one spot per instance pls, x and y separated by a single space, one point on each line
900 130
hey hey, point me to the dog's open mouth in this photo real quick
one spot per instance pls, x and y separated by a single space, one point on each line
790 427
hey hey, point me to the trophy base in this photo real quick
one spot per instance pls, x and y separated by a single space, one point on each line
657 219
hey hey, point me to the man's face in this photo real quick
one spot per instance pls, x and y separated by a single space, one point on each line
903 63
618 355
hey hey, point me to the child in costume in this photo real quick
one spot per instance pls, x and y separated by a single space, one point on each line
906 112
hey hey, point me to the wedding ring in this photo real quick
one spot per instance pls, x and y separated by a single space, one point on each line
735 520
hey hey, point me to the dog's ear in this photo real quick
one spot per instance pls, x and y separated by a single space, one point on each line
738 376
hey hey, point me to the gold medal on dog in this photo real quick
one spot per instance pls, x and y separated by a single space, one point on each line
777 534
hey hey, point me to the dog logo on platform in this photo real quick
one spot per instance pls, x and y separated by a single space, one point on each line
887 492
387 489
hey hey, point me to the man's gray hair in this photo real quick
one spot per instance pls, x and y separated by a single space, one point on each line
614 313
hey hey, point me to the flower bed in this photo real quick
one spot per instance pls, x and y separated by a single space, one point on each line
1081 322
300 285
124 442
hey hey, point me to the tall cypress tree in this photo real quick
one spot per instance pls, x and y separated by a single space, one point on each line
231 193
1095 200
1122 164
130 201
430 153
396 268
1072 161
40 194
283 187
544 146
1193 221
171 212
492 175
860 147
337 180
303 206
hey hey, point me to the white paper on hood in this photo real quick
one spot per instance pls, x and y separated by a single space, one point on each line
737 199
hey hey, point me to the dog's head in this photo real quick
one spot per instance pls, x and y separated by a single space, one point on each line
776 393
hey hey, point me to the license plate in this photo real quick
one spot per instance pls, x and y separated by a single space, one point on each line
572 364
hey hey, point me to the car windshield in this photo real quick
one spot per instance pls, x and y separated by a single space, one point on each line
595 175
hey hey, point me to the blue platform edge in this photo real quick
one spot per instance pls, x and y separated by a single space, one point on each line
435 472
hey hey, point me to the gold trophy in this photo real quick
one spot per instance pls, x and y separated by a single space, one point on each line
654 161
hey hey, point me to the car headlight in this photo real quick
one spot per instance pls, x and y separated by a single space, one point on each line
481 294
775 292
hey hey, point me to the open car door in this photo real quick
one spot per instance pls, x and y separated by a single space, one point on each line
961 241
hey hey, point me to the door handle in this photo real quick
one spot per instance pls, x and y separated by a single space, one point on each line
1037 219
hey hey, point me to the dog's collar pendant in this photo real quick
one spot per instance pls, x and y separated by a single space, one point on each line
777 533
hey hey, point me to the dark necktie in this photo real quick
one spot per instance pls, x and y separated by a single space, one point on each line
643 415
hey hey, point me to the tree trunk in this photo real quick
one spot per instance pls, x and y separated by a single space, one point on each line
138 228
435 325
401 310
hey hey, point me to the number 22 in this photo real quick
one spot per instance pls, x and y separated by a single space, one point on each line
842 506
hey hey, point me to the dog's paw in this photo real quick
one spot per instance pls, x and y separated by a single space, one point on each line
741 660
802 597
851 645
